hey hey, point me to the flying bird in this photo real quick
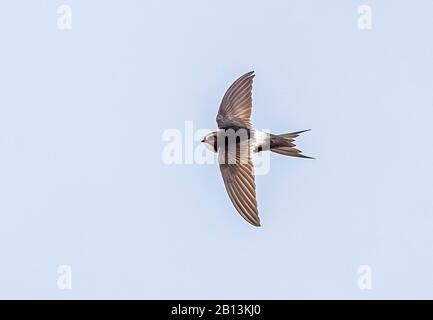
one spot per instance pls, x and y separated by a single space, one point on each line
236 141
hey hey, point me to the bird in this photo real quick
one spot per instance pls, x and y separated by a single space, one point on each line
236 140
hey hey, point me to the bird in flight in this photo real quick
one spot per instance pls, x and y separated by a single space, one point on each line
236 141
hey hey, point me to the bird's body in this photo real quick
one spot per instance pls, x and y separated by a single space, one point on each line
260 141
236 140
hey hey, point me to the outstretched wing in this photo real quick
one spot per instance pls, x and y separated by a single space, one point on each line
238 175
235 107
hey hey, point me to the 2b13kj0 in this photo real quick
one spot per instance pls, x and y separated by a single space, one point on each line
238 309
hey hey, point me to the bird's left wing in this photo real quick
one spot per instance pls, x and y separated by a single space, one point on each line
235 107
238 175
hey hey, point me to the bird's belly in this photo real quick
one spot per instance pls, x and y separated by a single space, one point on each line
261 141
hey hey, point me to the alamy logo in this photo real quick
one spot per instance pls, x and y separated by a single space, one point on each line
64 20
64 280
364 18
365 277
186 148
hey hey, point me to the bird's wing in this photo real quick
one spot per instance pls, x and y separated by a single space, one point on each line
238 175
235 107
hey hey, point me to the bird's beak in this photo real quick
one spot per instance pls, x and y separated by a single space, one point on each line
202 140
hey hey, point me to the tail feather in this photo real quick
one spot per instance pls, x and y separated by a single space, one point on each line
284 144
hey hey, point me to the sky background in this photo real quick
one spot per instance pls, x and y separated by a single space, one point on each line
82 181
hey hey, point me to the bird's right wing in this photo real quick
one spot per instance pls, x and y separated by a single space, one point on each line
238 176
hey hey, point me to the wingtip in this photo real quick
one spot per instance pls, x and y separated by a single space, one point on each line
250 74
256 224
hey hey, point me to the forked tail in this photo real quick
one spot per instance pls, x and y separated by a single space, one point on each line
284 144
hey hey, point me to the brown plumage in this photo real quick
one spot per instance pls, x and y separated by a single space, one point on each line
237 140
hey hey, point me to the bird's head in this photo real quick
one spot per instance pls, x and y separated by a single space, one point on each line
209 140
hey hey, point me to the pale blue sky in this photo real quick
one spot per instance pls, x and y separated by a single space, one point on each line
81 177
